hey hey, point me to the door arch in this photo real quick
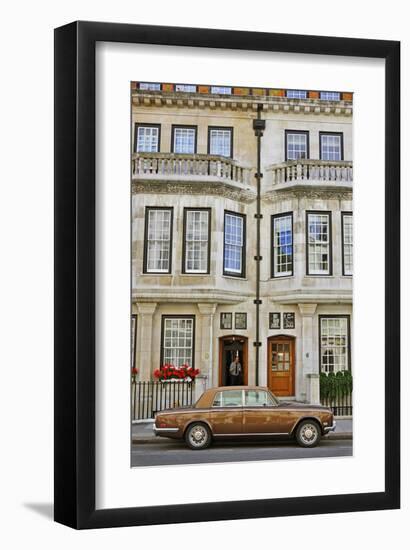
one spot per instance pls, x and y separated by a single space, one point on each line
281 363
228 347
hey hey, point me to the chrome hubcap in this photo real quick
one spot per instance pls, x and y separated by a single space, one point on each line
308 434
198 435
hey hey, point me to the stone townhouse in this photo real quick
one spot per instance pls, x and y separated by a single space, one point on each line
242 235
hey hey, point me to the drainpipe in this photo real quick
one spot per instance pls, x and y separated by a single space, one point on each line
258 127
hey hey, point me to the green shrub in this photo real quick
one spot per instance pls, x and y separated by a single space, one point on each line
335 385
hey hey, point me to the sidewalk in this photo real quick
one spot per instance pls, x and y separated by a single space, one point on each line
142 432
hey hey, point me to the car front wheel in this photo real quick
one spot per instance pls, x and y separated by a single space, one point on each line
198 436
308 433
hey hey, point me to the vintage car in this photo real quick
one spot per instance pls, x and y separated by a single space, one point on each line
246 412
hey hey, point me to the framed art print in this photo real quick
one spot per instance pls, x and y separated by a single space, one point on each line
274 320
240 321
218 196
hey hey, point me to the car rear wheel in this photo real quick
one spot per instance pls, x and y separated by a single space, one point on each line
198 436
308 433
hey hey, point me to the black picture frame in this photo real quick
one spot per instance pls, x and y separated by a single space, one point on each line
288 320
241 320
274 320
225 322
74 382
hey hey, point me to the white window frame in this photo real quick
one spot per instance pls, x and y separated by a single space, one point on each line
291 134
223 132
151 86
328 156
186 88
240 246
221 90
314 246
330 96
296 94
198 240
334 341
148 139
175 336
159 239
278 220
347 244
183 130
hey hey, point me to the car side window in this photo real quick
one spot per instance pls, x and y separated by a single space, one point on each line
231 398
258 398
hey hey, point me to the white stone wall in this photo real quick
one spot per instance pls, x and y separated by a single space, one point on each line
206 296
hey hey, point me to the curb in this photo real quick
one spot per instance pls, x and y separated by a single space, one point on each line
146 440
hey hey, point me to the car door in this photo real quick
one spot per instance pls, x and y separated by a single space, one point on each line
261 414
227 413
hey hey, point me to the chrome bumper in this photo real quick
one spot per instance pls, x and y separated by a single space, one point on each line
331 428
164 431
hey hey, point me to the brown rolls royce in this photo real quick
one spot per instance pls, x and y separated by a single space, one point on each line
244 411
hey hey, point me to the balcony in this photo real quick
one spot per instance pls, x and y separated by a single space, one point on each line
201 169
312 173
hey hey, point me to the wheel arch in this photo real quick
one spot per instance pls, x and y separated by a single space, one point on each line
198 421
303 419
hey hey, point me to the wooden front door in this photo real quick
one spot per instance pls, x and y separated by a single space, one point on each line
281 365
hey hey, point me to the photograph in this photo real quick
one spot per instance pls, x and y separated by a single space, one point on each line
241 204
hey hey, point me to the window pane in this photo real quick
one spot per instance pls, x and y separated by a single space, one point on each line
178 341
147 139
221 90
158 240
231 398
330 96
233 241
296 146
296 94
185 88
330 147
220 142
196 241
184 140
258 398
282 246
347 244
334 344
150 86
318 244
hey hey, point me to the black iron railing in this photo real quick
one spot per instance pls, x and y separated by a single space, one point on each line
149 397
340 405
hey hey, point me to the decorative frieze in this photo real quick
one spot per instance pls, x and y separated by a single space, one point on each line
247 103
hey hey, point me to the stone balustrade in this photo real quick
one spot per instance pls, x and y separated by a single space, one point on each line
309 171
172 166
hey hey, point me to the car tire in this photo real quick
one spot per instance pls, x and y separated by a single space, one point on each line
198 436
308 433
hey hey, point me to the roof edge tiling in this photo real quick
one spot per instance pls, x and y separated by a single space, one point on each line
242 91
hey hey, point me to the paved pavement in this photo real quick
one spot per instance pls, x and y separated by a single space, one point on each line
169 452
149 450
142 432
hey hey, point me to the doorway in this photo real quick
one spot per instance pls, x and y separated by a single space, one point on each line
281 365
230 347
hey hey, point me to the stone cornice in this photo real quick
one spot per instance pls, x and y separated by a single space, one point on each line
222 188
308 192
242 103
191 295
317 296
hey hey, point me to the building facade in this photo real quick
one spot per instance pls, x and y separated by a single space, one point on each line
242 233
